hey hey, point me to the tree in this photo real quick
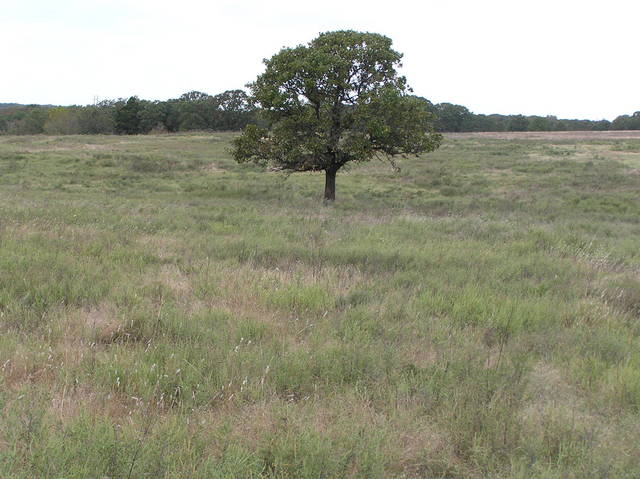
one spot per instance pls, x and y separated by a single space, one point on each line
452 117
198 111
626 122
337 100
98 119
235 111
172 117
152 116
127 117
62 121
29 121
538 123
517 123
602 125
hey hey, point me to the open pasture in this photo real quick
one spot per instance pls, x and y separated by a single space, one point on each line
165 312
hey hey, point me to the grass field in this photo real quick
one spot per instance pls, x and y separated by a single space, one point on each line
167 313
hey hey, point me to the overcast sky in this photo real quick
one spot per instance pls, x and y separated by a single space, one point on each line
570 58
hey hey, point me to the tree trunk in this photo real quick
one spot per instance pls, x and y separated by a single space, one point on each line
330 185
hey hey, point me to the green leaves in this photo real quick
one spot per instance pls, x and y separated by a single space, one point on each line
337 99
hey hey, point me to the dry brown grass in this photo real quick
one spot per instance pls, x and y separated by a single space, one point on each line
102 323
173 277
420 353
556 405
163 246
250 424
548 135
26 367
419 444
213 169
241 288
68 403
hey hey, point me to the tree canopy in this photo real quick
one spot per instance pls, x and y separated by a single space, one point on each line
337 100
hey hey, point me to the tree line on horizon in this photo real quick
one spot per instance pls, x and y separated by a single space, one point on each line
227 111
232 111
458 118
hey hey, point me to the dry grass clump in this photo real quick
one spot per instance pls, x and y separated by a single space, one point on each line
103 324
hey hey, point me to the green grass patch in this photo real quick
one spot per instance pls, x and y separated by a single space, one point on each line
165 312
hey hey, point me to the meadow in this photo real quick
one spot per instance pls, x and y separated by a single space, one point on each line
168 313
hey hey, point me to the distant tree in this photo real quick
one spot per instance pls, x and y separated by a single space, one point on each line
127 117
517 123
553 123
483 123
429 106
172 115
62 121
500 122
234 108
452 117
620 122
152 116
197 111
98 119
627 122
194 96
539 123
337 100
28 121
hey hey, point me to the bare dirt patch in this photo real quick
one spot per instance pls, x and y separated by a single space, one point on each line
420 354
103 323
212 168
176 280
